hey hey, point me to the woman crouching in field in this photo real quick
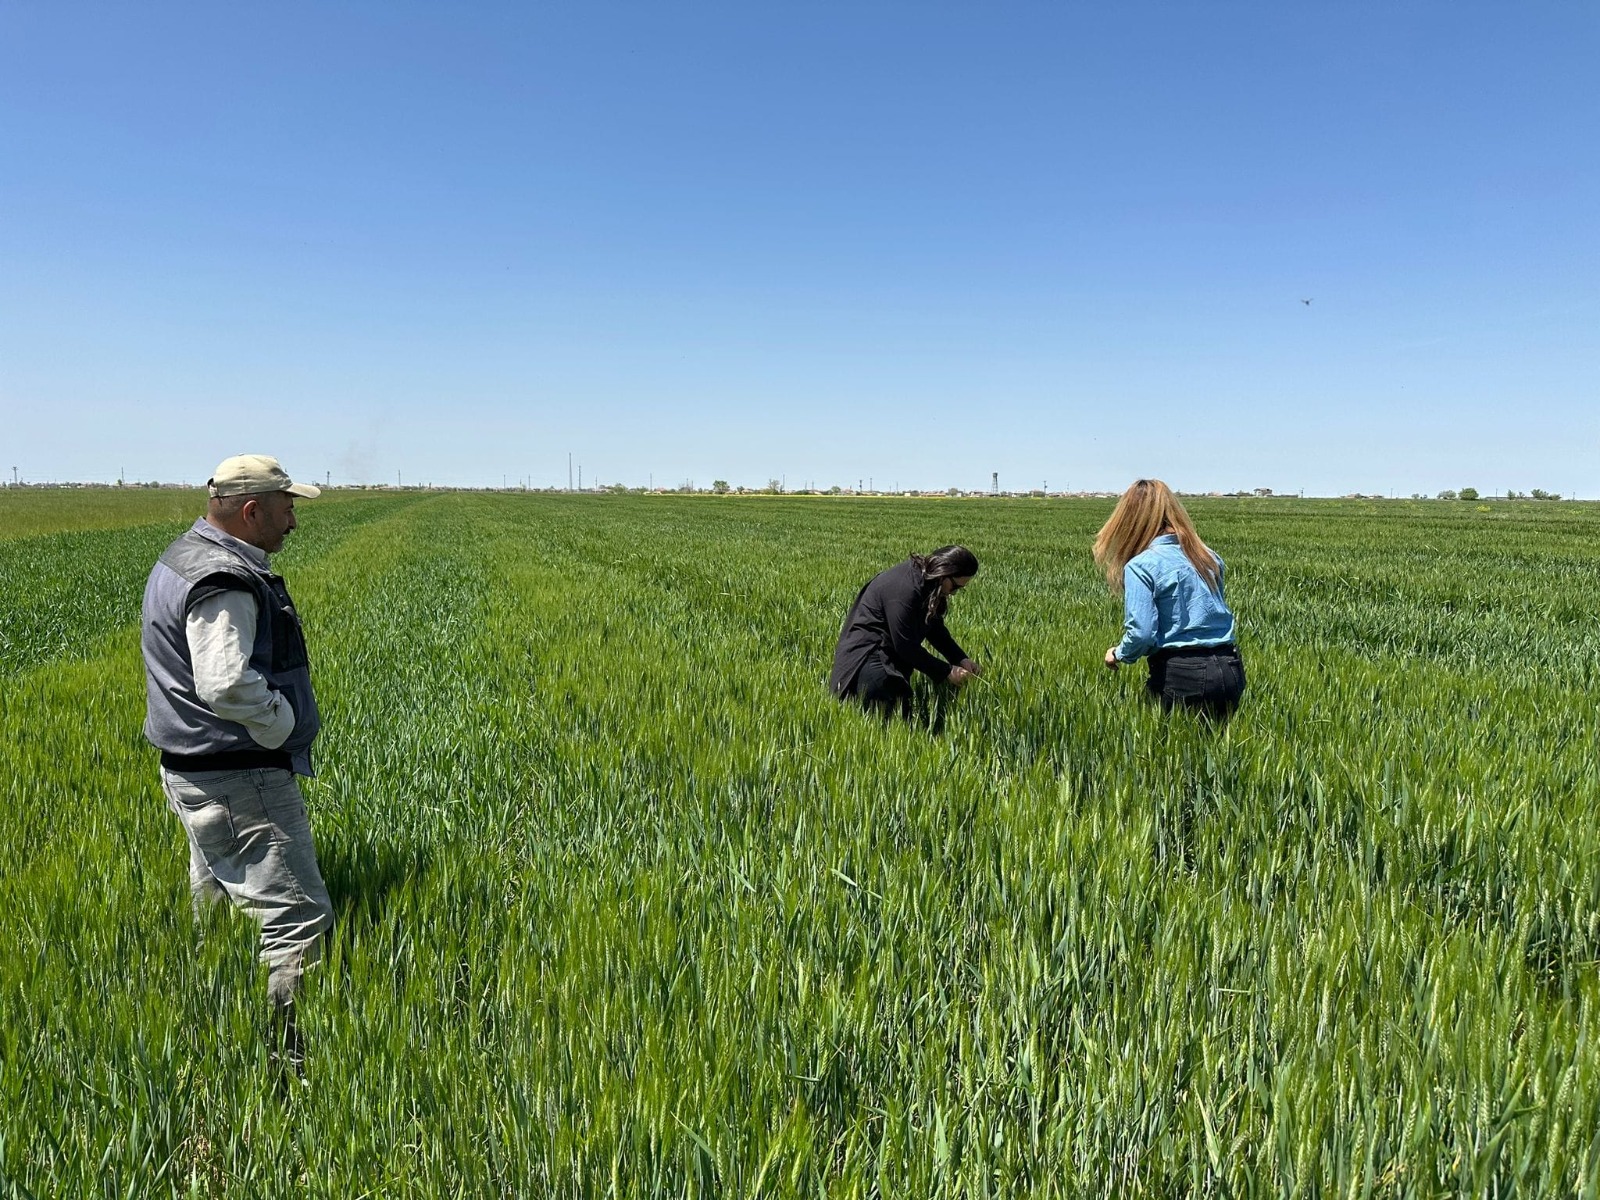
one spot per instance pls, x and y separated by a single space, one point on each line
1171 584
898 610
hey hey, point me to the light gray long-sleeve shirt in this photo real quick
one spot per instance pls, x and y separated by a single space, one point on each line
221 629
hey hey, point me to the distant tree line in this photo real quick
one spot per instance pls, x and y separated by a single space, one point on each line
1471 493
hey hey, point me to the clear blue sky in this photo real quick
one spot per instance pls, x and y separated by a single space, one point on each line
918 242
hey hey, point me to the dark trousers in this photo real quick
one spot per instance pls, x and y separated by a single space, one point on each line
1206 679
879 689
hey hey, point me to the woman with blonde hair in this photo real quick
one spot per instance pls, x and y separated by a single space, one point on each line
1171 585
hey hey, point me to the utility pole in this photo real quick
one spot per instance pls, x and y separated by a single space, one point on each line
13 477
994 483
397 482
580 477
327 478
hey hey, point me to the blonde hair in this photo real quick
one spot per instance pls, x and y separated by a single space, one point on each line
1147 510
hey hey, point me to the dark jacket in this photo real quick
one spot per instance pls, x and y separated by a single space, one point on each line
890 617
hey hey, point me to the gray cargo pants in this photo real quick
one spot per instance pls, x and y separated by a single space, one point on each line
249 840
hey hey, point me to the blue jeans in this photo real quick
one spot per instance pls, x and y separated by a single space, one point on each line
249 840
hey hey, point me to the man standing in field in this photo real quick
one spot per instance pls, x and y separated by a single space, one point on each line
231 709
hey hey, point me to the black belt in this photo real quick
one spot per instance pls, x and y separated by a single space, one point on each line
228 760
1226 650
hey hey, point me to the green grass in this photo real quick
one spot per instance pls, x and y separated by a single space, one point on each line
629 907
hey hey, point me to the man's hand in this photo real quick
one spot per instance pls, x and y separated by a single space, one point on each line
970 667
958 676
1112 661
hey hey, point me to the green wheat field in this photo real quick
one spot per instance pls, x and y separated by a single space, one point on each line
630 907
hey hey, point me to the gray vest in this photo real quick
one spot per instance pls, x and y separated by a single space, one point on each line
202 563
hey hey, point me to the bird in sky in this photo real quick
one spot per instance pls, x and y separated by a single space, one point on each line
1305 302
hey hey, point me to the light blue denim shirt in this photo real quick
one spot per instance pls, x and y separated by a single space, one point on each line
1167 605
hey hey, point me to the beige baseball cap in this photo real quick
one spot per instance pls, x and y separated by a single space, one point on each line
249 474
